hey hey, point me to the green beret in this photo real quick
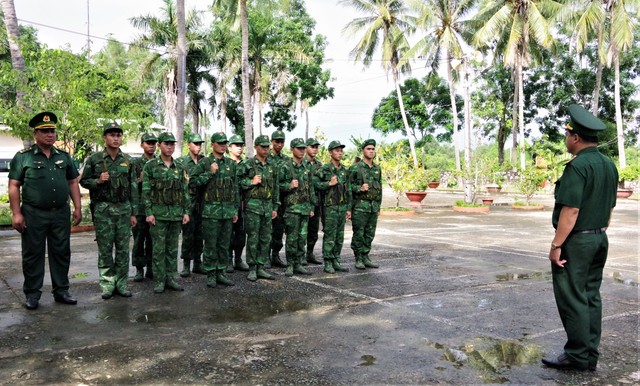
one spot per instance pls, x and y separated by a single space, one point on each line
298 143
44 120
335 144
278 134
219 137
195 138
236 139
148 137
312 142
166 137
368 142
581 121
111 127
261 140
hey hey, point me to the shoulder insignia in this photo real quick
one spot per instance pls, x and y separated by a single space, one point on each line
26 149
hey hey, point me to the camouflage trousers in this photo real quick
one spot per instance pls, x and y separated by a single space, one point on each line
258 227
112 224
335 217
238 236
164 236
296 228
192 242
217 236
364 230
277 232
313 228
142 249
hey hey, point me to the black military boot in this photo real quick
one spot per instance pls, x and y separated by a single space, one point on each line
197 267
276 262
139 274
186 268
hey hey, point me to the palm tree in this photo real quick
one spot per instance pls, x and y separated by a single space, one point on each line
518 29
385 26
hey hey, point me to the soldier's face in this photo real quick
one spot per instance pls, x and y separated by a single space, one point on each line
369 152
262 151
298 152
219 148
149 147
112 140
312 151
46 136
277 144
167 148
195 147
236 149
336 154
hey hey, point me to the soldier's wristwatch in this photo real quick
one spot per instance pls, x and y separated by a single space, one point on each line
555 246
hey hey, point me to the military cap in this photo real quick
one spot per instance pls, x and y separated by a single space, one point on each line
312 142
335 144
368 142
195 138
166 137
44 120
111 127
261 140
236 139
148 137
581 121
298 143
278 134
219 137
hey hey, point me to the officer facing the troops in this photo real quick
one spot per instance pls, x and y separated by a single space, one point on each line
166 204
314 222
277 158
298 196
111 179
257 179
142 249
333 179
215 176
238 234
585 196
366 185
41 180
192 242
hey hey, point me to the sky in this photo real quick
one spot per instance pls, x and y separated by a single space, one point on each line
63 24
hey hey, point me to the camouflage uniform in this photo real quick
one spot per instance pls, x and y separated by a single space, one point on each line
314 222
114 203
365 210
277 231
192 238
142 246
238 234
221 200
165 196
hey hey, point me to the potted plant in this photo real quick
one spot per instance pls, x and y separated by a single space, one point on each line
433 178
529 183
627 174
470 207
414 184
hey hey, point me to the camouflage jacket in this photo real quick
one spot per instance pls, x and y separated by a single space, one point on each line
164 190
302 199
339 194
138 165
265 197
360 173
219 191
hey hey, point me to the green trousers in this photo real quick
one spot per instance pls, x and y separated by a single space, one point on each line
364 230
335 218
314 227
164 236
238 236
577 291
192 242
113 231
217 236
277 231
46 229
142 248
258 227
296 228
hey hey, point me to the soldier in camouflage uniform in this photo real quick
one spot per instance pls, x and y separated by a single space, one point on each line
298 195
192 242
215 176
333 179
366 185
314 222
276 159
238 234
113 187
257 179
166 204
142 249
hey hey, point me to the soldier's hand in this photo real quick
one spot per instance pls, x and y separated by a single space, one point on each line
554 256
134 221
348 215
77 216
364 187
185 219
274 214
235 219
311 214
17 222
214 167
333 181
294 184
151 220
104 177
257 179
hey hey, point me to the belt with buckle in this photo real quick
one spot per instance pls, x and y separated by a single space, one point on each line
591 231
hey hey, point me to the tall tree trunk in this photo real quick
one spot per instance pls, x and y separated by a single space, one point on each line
182 55
501 138
521 114
454 112
246 91
469 182
409 130
622 159
304 105
514 123
223 109
595 103
170 101
195 115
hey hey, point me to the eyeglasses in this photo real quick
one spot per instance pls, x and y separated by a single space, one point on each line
47 131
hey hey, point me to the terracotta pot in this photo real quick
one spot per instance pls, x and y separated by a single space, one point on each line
527 207
624 193
494 189
487 201
393 213
471 209
434 185
416 197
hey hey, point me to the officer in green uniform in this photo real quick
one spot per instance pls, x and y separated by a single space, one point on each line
333 179
166 204
142 250
257 179
47 177
298 195
238 234
192 242
585 197
215 176
366 186
314 222
277 158
112 182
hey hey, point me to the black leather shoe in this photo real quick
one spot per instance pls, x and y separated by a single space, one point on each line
277 262
562 363
31 303
65 298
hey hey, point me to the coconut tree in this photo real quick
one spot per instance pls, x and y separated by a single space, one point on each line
384 26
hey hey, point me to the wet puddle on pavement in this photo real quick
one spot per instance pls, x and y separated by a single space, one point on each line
258 312
524 276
